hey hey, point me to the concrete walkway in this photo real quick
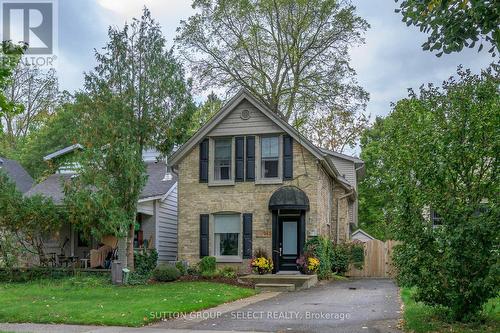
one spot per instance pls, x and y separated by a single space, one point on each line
364 305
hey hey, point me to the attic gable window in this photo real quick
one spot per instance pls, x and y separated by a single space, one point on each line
222 158
270 157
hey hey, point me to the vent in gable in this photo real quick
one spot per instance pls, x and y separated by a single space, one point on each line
245 114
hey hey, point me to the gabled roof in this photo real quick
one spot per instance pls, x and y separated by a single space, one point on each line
360 231
156 185
343 156
17 174
63 151
228 107
359 164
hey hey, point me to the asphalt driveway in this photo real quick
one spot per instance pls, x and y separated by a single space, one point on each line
363 305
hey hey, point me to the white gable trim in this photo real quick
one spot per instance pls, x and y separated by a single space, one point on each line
173 187
360 231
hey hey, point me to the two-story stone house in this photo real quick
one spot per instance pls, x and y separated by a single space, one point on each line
248 180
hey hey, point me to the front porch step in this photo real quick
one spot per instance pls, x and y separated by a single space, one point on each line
275 287
300 281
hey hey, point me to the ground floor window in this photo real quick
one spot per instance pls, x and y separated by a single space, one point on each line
227 229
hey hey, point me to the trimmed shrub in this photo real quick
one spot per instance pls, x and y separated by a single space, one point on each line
340 259
145 261
207 265
228 272
166 273
181 267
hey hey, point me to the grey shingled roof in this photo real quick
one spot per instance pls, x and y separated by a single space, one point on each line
17 174
52 187
155 186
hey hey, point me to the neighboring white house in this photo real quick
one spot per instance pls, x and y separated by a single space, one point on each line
156 210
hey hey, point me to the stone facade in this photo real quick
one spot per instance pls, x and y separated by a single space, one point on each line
197 198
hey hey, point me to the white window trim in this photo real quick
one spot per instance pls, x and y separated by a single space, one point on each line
258 161
211 164
211 242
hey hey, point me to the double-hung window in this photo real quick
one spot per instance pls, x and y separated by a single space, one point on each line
222 159
227 229
269 147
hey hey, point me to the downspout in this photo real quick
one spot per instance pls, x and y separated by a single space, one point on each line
338 214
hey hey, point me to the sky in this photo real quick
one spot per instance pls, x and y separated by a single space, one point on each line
390 62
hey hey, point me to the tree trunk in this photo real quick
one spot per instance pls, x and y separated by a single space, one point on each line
130 247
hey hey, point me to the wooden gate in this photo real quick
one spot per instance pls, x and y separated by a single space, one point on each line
378 260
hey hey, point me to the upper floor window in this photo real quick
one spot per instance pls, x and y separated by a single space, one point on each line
270 157
222 159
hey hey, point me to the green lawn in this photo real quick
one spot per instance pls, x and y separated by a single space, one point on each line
96 301
421 318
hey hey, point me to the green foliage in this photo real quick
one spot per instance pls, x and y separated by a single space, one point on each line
207 265
440 149
27 219
60 129
104 202
340 259
206 111
145 261
374 195
150 80
421 318
210 274
166 273
286 53
454 24
181 267
228 272
321 248
44 273
193 270
10 54
357 255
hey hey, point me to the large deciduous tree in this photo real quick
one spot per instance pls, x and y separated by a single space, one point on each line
35 91
291 54
140 100
439 150
10 54
454 24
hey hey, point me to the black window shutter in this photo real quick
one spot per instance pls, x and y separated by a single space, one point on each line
247 236
203 235
250 176
204 161
287 157
240 158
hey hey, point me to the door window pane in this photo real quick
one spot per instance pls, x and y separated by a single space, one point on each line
226 234
290 238
269 156
222 159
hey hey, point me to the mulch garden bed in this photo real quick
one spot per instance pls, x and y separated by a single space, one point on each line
219 279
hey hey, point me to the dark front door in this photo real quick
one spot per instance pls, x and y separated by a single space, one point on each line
288 238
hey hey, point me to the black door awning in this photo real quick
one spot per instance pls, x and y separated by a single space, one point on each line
289 197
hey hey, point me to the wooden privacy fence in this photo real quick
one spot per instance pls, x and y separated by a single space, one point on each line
378 260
